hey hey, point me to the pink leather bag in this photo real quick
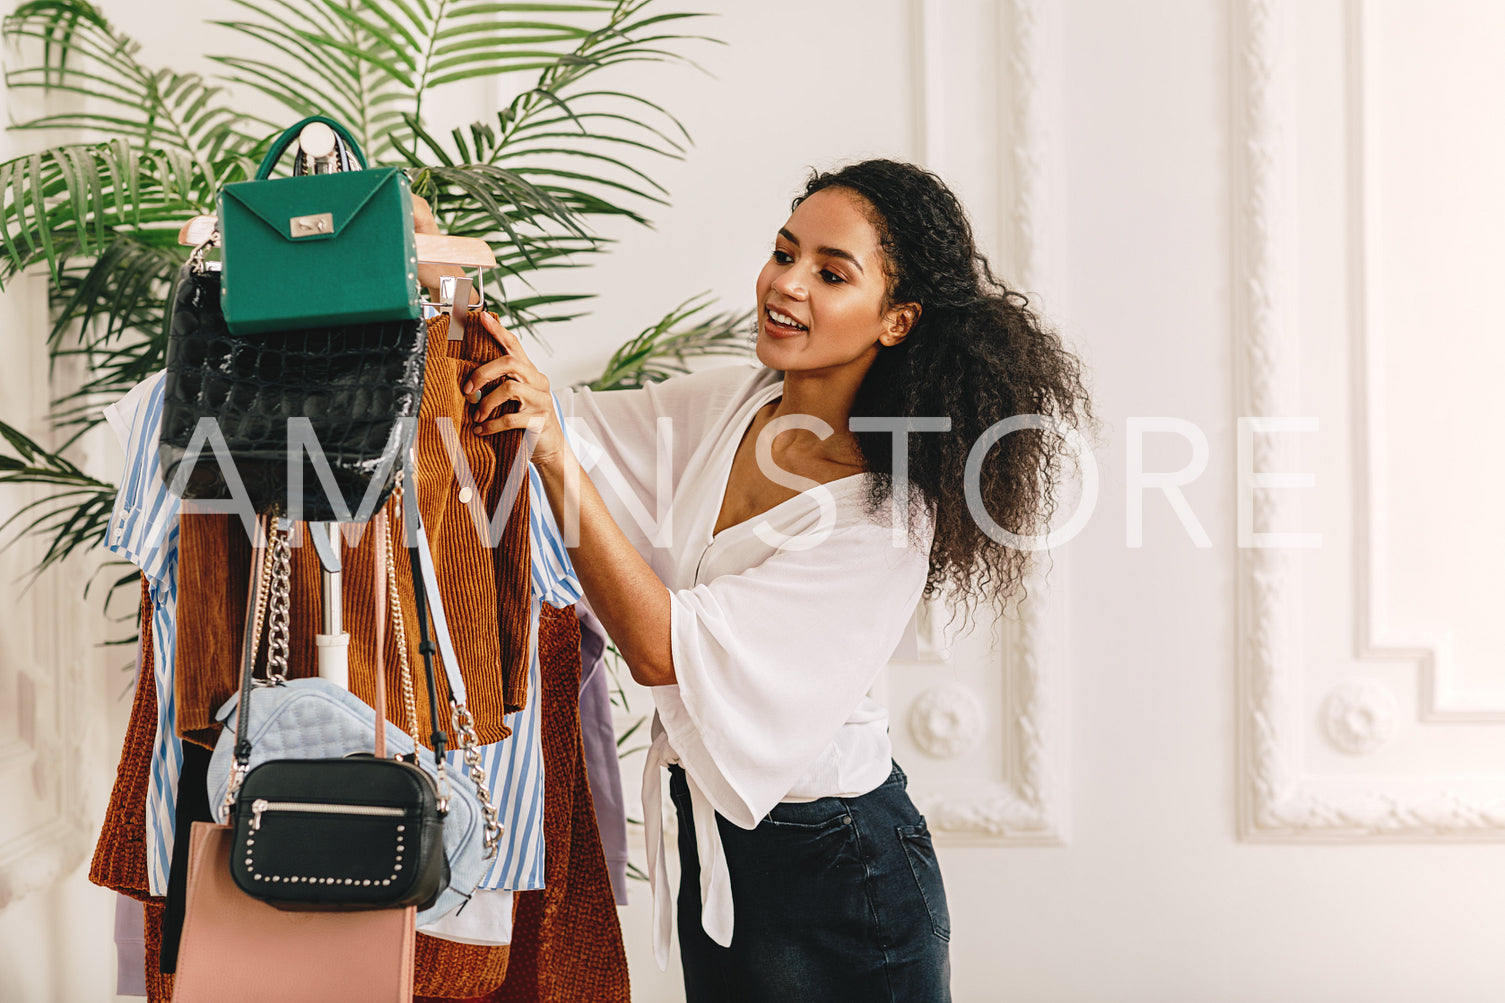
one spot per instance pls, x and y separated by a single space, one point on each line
237 949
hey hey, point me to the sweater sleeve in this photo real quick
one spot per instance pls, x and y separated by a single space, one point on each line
772 661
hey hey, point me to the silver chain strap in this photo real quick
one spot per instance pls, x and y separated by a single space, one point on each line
470 742
279 633
394 603
258 603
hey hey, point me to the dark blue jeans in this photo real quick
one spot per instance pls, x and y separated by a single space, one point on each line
836 899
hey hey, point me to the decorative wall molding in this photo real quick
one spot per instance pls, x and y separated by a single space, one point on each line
1359 717
1029 805
947 721
1377 640
48 827
42 767
1278 800
1029 36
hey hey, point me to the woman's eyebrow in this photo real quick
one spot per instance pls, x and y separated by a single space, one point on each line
830 252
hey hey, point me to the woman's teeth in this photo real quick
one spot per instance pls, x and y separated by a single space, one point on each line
784 319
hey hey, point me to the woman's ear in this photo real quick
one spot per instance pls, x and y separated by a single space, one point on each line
898 323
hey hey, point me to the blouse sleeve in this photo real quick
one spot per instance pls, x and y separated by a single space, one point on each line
772 661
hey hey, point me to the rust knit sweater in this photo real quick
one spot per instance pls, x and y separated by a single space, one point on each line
120 854
566 941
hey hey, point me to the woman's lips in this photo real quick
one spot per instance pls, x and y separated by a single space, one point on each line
776 329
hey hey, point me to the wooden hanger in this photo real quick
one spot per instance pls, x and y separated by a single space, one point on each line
433 248
442 249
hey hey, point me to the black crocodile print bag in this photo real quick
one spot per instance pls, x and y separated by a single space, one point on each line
358 386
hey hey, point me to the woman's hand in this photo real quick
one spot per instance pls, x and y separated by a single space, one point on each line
513 377
624 591
423 216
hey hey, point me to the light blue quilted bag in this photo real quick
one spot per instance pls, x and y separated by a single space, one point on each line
316 719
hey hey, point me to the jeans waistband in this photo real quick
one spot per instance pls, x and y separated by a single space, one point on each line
896 776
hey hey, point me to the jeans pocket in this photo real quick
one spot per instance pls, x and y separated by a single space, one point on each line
920 852
794 841
822 813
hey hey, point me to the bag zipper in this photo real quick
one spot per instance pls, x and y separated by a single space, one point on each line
262 804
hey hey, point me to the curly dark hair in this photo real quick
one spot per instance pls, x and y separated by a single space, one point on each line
977 354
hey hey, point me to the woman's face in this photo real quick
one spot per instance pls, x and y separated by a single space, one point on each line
821 294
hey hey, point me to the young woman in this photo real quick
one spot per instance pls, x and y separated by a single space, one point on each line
749 542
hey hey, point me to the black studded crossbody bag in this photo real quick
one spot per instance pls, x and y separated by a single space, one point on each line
351 832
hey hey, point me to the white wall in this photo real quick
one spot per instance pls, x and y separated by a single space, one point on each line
1232 208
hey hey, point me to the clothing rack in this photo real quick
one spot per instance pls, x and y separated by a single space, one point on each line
320 152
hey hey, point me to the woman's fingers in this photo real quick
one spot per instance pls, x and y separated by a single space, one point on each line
507 423
514 365
529 400
501 393
423 216
535 411
488 374
513 377
506 368
509 341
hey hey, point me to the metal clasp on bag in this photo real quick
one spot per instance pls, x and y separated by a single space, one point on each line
316 225
238 771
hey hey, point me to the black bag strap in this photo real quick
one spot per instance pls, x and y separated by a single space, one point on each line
250 642
426 648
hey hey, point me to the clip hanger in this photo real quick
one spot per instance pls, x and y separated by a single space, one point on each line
454 299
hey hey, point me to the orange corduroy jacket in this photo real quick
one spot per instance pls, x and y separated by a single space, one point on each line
486 588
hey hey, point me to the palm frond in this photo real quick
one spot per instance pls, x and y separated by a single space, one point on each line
125 287
103 215
666 348
75 512
83 54
316 65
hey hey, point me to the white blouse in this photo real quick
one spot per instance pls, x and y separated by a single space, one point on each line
779 624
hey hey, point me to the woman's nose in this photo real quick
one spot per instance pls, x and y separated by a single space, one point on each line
788 283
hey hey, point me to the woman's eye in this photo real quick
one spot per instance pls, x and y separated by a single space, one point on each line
782 257
831 277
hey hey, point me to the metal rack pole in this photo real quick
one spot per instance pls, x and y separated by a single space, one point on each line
317 154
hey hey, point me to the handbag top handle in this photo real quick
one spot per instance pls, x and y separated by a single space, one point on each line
282 142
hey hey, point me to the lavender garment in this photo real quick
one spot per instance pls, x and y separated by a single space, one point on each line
600 740
130 947
130 928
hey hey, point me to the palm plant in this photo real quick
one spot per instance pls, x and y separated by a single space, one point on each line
103 215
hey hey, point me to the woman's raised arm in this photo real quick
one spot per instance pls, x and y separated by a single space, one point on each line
625 593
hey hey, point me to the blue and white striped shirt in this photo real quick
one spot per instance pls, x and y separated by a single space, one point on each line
144 530
515 766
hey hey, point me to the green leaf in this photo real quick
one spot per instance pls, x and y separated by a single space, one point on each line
561 156
664 349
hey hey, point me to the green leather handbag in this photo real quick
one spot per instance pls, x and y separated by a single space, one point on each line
318 249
